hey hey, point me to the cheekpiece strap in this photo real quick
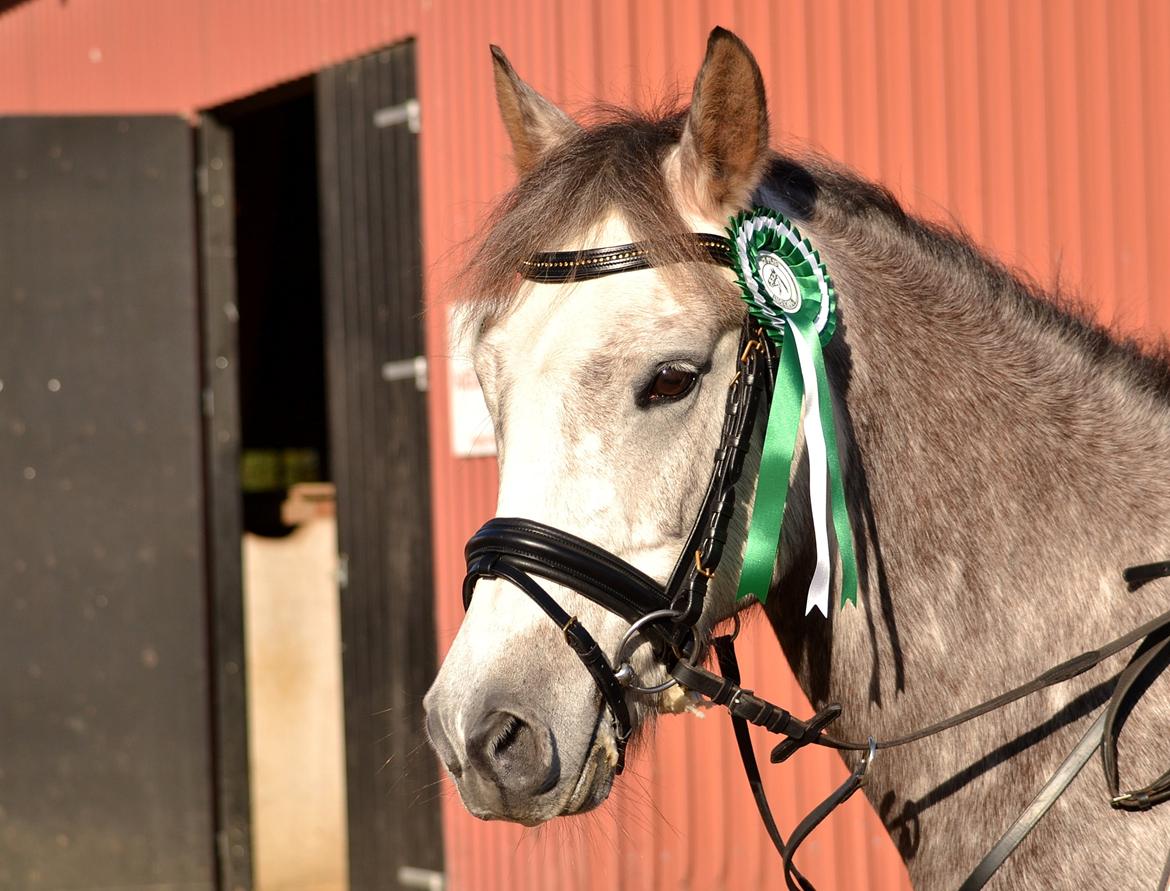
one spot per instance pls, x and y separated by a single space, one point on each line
554 267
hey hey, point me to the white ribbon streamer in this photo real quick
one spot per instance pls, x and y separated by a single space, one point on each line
818 475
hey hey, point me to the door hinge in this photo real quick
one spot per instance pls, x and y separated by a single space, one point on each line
342 571
403 113
406 369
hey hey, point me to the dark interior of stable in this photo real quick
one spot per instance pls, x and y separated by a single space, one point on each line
278 264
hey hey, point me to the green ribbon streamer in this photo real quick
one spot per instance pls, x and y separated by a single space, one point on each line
775 470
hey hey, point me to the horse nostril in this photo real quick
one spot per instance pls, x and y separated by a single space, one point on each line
506 735
516 754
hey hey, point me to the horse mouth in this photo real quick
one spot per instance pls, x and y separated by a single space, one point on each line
593 783
595 780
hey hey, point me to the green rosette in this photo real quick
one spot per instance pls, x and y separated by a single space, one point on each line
788 292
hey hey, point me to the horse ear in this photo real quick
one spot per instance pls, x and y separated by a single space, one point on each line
533 123
725 140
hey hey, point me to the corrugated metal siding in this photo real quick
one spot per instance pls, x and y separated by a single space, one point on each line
179 55
1037 126
1040 126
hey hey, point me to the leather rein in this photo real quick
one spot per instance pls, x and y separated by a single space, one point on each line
520 551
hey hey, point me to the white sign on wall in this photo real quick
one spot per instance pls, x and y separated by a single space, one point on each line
472 435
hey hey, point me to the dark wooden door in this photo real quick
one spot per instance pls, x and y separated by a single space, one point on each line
105 739
373 296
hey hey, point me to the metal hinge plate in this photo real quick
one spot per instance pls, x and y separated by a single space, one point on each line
403 113
406 369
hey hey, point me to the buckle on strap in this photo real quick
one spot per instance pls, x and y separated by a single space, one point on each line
862 769
700 568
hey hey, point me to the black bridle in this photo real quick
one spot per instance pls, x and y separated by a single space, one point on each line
516 549
520 551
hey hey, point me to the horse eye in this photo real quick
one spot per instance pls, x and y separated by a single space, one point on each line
670 384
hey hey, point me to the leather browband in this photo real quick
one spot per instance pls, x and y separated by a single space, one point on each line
552 267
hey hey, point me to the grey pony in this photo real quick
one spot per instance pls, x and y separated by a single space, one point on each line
1006 459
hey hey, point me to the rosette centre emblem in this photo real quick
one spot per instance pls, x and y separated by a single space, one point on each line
779 281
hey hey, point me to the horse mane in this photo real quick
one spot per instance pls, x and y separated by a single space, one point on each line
852 202
614 165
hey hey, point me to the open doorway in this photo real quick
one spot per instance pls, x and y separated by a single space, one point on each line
310 214
285 439
292 633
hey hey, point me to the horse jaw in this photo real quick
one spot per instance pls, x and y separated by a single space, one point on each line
561 373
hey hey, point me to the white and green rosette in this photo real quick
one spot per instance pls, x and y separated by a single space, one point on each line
788 292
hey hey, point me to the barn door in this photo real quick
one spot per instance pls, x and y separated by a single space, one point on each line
105 739
368 125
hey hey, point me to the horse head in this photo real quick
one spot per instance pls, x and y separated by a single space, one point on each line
607 396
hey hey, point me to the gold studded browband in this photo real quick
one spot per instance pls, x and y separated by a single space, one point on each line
571 266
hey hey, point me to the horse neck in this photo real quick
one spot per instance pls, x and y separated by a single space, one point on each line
1003 472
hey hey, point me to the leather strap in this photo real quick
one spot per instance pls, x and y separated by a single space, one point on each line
855 780
728 664
1058 674
1136 576
744 705
565 559
1155 647
1039 806
554 267
576 636
748 396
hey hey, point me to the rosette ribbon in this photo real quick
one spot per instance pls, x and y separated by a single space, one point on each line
788 292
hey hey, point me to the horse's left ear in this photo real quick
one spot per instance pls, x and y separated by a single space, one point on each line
725 141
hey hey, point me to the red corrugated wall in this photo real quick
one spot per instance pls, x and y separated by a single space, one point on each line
1041 127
